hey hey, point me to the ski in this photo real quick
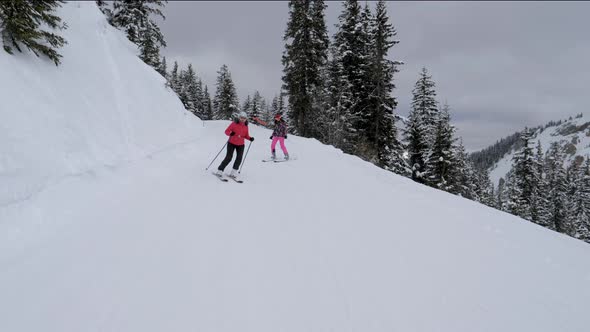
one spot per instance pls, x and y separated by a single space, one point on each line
238 181
220 177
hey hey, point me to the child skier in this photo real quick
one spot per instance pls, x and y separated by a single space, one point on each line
237 132
279 134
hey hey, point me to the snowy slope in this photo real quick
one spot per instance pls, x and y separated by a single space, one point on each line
152 242
101 106
324 243
572 135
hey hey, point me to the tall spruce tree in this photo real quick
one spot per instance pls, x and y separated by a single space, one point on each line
163 68
557 186
341 132
424 102
306 45
382 130
420 124
353 43
208 104
440 160
134 17
256 106
247 105
524 176
580 205
175 79
225 102
463 173
540 196
22 22
574 198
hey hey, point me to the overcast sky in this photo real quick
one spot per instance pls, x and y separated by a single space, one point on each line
500 65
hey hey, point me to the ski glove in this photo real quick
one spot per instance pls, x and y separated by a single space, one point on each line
251 139
232 133
285 136
270 137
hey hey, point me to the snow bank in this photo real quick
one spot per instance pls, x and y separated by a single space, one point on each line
101 106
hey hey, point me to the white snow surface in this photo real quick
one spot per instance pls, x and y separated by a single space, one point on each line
137 236
580 140
101 106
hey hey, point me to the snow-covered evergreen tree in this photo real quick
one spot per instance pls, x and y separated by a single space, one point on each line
382 130
485 188
247 105
306 45
225 102
580 205
463 173
134 17
207 104
353 43
256 106
163 68
105 8
418 129
557 186
424 103
341 132
24 23
540 194
441 160
175 79
524 176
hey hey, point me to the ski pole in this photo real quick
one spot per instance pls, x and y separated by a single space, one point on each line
246 155
217 155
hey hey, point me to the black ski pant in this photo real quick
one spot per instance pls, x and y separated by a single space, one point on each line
230 153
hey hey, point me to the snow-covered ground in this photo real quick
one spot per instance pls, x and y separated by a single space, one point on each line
580 140
101 106
139 237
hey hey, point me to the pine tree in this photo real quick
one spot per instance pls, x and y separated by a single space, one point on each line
574 198
306 44
557 186
580 205
463 174
382 130
163 68
421 125
21 22
338 105
225 102
524 176
440 160
247 105
133 16
207 104
424 102
540 198
191 91
485 188
105 9
256 106
353 43
175 79
149 50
